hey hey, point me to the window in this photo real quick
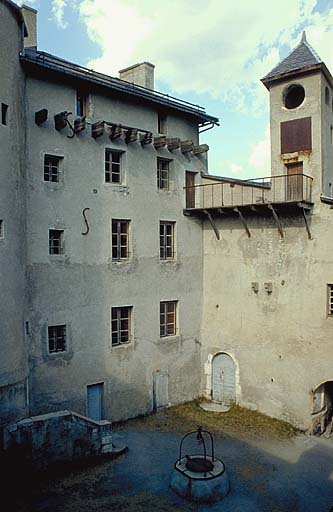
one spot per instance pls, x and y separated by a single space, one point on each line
120 231
162 124
166 240
56 241
52 168
293 96
81 104
120 325
163 173
1 229
112 166
327 96
168 318
57 338
330 299
4 112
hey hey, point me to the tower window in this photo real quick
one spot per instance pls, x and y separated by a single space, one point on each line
162 124
4 112
327 96
293 96
81 103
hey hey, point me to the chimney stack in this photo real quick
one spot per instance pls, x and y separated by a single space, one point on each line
139 74
30 18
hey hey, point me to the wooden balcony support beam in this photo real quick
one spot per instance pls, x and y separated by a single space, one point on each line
243 221
306 222
277 220
211 220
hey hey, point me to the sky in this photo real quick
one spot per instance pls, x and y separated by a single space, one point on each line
210 53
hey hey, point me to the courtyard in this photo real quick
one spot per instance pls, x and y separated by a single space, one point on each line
271 467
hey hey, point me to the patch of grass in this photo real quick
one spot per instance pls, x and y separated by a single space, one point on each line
238 422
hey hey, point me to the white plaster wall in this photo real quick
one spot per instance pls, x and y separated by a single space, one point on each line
79 288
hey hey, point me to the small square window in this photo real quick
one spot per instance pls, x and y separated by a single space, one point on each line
163 173
120 325
56 241
167 240
168 325
4 114
330 299
120 239
113 166
52 168
81 103
162 124
57 338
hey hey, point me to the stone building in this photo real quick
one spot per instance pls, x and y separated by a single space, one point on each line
123 292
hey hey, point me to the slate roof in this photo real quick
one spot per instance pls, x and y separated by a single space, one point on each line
301 57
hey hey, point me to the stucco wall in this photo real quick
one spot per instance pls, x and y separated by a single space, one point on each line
280 341
79 288
13 360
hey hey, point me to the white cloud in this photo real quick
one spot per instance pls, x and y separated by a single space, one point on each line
58 12
260 157
221 50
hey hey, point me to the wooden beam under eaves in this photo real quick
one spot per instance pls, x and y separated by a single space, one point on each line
79 124
115 132
41 116
186 146
146 138
97 129
160 141
202 148
173 143
131 135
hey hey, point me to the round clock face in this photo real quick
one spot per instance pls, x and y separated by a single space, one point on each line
293 96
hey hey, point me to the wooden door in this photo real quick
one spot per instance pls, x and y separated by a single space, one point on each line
161 389
295 181
94 399
190 189
224 380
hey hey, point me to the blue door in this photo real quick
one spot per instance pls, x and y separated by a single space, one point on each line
94 398
224 380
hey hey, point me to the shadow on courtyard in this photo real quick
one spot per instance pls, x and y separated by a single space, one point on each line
293 475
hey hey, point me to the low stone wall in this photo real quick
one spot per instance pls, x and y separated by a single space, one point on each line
58 437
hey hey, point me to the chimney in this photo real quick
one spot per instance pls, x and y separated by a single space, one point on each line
30 18
139 74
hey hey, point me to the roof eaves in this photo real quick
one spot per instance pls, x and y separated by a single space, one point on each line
50 62
298 73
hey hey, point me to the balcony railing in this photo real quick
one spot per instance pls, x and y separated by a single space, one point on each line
291 188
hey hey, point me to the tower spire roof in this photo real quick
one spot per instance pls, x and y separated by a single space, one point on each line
300 57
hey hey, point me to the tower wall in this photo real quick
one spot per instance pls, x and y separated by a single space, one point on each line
13 360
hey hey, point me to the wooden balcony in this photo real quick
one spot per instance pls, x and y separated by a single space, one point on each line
285 194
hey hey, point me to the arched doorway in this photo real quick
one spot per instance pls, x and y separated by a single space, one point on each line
224 379
322 409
